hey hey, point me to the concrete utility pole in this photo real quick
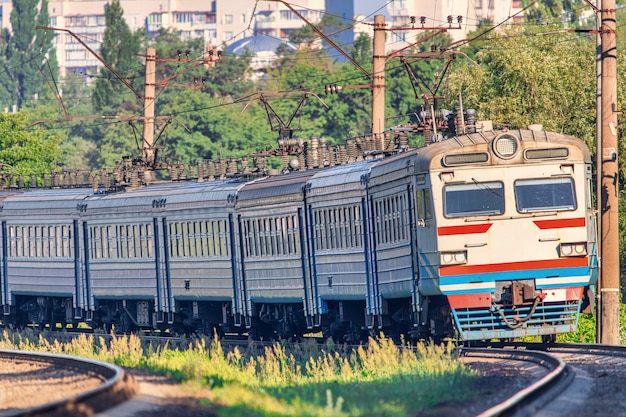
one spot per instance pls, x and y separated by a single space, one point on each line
608 195
149 154
378 78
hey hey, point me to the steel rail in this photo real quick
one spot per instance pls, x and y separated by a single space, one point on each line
529 400
117 387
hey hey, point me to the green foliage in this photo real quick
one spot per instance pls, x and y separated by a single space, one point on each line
568 11
522 79
329 24
26 151
23 54
381 379
120 49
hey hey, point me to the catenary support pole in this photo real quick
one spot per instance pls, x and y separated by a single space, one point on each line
610 182
378 80
149 154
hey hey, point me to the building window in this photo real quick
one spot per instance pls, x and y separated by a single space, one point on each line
228 36
228 19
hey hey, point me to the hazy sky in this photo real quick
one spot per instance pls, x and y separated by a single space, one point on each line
368 7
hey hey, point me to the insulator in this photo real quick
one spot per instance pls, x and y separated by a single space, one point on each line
323 152
459 19
201 171
285 160
343 155
413 19
259 163
315 144
232 166
12 181
458 120
388 143
331 157
470 119
302 161
402 140
33 181
423 20
211 171
105 179
309 159
220 168
94 182
20 181
245 168
173 169
450 19
134 179
46 180
181 172
428 136
368 144
352 151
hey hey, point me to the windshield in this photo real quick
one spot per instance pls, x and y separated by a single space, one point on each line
480 198
545 195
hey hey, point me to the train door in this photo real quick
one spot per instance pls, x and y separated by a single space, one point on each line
312 311
426 260
3 272
83 274
241 312
163 298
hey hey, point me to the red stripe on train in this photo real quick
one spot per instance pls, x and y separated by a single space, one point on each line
463 230
512 266
560 223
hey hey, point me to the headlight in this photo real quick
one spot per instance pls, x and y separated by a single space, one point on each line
573 249
453 258
505 145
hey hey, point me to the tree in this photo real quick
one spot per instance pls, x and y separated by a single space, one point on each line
120 49
26 150
305 35
520 79
25 53
567 11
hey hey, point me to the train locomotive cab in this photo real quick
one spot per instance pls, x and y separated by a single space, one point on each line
515 241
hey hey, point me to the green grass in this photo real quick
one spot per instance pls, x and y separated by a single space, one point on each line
381 379
300 379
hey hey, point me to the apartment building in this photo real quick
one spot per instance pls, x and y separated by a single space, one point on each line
437 15
222 22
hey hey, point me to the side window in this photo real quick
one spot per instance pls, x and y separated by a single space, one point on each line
424 204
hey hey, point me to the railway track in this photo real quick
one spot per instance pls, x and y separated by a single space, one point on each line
572 380
39 384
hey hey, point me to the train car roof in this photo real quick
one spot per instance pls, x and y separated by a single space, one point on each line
393 163
50 198
275 187
342 174
174 192
429 157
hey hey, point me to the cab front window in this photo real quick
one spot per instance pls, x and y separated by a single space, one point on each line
476 199
546 194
